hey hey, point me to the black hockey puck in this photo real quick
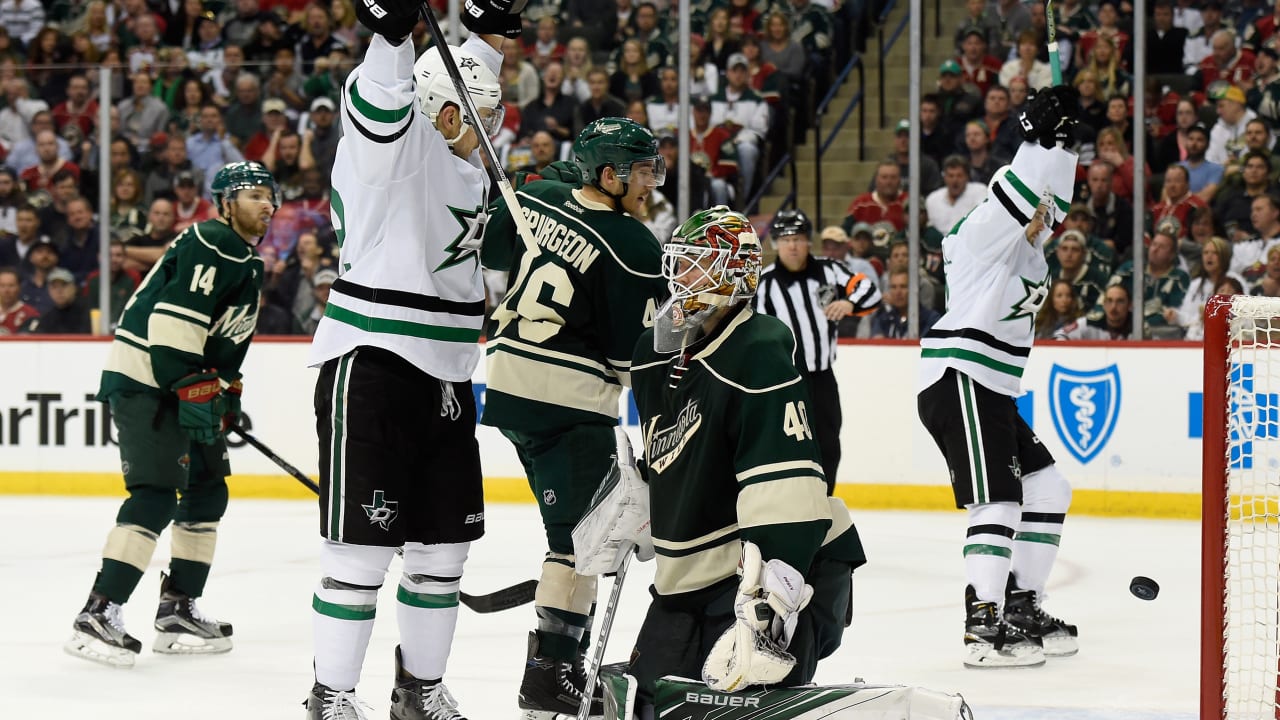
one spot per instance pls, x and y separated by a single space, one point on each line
1144 588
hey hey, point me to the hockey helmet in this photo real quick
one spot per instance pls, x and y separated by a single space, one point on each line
435 87
238 176
623 144
790 222
712 259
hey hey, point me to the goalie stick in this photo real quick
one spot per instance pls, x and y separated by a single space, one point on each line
606 624
504 599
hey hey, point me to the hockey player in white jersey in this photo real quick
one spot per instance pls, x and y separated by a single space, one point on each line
395 413
970 371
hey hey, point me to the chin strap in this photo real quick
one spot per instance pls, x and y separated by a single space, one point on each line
617 199
461 134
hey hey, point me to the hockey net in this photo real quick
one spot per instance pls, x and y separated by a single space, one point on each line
1240 611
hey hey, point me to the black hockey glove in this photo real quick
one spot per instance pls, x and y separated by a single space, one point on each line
392 19
493 17
1051 113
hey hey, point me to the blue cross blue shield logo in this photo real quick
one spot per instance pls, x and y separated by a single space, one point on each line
1084 406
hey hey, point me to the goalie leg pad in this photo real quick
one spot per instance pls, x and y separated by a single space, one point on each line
343 608
1046 496
427 605
678 697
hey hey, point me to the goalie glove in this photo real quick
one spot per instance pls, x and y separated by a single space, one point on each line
617 518
767 609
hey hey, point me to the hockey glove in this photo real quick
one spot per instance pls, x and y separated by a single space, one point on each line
201 406
392 19
1047 112
234 415
493 17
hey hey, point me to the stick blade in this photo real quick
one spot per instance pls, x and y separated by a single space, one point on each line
503 599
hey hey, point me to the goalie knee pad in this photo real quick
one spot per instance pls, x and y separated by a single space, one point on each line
989 546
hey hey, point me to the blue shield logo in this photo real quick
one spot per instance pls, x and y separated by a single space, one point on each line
1084 406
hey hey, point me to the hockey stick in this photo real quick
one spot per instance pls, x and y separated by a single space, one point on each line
504 599
1051 30
473 116
606 624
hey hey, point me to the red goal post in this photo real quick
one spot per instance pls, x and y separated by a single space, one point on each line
1240 521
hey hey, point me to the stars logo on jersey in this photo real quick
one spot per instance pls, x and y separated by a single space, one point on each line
1035 293
1015 468
466 246
381 512
467 63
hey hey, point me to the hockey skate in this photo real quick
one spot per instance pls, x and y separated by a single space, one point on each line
990 642
1022 611
325 703
100 636
415 699
552 690
182 630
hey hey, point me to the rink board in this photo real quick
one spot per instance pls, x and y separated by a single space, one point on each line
1122 420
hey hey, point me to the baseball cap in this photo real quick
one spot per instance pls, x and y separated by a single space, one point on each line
324 277
186 177
903 125
950 67
973 30
1230 92
323 102
159 139
702 102
835 233
273 105
737 59
44 243
862 228
1200 128
1074 236
61 275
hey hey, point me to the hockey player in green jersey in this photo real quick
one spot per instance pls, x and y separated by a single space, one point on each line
559 354
173 382
971 365
754 561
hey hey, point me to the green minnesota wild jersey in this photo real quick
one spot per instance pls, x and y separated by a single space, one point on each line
196 309
731 457
559 347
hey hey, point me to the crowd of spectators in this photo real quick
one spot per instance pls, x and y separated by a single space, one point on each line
200 83
1209 205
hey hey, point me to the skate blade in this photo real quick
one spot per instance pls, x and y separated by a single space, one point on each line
86 646
552 715
984 655
1060 646
186 644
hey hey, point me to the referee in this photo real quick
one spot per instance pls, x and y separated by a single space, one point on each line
811 295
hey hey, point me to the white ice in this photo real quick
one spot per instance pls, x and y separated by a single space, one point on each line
1138 660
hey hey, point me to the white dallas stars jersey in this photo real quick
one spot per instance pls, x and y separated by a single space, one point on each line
403 205
996 280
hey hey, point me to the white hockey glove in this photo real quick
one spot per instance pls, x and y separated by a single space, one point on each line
618 517
754 650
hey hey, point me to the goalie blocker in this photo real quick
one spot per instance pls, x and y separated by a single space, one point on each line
691 700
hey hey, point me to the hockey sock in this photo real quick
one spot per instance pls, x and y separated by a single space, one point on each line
343 609
192 548
1046 496
988 548
132 542
584 645
427 606
563 601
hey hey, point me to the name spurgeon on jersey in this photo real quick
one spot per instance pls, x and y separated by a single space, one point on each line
556 237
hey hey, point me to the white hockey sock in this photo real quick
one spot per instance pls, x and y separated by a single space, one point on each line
343 609
427 606
1046 496
988 548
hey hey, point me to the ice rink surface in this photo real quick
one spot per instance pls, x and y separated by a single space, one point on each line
1138 660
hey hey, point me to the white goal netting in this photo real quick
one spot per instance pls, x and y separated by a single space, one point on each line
1251 612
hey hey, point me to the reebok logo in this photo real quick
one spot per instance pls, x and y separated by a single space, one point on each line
721 700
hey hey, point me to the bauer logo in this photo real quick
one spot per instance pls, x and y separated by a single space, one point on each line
1084 405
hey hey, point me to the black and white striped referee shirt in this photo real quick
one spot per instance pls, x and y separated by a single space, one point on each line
798 299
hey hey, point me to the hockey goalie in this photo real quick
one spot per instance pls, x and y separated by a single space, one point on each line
753 583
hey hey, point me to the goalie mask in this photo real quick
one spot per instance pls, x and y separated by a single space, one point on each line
712 261
435 88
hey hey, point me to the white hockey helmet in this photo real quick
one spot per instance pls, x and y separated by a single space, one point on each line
435 87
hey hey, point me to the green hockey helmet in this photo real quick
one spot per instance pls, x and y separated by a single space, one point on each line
712 259
623 144
237 176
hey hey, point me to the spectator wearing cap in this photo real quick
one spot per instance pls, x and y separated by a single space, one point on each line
983 162
1263 96
1026 65
78 108
1080 217
39 176
1206 176
885 202
122 285
189 207
15 250
1226 62
957 103
209 149
981 69
321 138
1072 261
738 109
274 122
16 316
862 247
1177 202
835 243
979 16
1226 139
11 198
1166 42
142 114
948 204
43 258
699 190
552 110
172 160
930 175
68 313
599 103
711 147
243 117
318 41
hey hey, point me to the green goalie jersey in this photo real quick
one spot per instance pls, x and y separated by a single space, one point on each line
731 457
196 309
559 348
